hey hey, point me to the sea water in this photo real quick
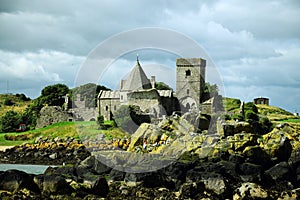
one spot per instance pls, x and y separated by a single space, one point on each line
30 169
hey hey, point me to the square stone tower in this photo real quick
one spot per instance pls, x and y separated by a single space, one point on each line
190 81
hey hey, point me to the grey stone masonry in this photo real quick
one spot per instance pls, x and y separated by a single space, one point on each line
190 81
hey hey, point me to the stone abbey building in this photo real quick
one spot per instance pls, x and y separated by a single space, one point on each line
139 90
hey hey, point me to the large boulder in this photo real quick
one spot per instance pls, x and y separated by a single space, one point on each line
281 172
277 145
100 187
93 165
256 155
14 180
147 132
50 115
242 140
56 184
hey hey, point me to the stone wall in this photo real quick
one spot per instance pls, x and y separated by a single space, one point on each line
190 81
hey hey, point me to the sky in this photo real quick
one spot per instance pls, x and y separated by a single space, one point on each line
254 45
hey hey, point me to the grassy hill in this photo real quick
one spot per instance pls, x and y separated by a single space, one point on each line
77 130
19 104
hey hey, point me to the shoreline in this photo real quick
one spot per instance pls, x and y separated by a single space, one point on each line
3 148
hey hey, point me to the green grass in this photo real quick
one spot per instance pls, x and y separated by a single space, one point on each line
292 120
62 129
231 104
77 130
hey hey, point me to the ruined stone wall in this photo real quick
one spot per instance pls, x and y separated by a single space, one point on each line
190 81
107 107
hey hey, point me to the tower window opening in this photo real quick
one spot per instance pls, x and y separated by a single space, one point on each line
188 72
188 91
106 108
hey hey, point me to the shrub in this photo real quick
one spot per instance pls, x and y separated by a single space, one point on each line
250 106
266 125
8 102
250 115
100 120
238 117
10 121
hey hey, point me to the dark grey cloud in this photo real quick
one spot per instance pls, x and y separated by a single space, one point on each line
255 44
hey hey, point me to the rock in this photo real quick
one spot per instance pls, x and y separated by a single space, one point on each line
100 187
14 180
250 191
214 182
256 155
50 115
116 175
251 172
53 156
277 145
242 140
281 172
92 165
290 195
56 184
190 190
240 127
142 133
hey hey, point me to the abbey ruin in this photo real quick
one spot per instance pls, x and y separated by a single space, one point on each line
139 90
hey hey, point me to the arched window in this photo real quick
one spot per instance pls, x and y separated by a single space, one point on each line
106 108
188 91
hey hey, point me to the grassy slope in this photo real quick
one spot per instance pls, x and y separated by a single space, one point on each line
19 105
78 130
275 114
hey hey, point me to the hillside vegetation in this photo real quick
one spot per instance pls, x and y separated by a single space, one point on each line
77 130
17 103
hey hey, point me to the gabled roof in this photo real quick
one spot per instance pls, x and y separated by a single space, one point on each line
137 79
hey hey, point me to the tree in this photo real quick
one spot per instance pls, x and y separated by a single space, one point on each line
10 121
210 90
53 95
88 91
31 113
162 86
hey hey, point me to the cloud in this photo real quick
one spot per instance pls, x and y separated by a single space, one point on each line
254 44
29 69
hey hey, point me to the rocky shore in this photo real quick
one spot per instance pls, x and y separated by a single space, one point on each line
226 177
230 165
46 151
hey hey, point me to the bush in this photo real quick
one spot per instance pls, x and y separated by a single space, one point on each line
266 125
10 121
8 102
250 106
100 120
250 115
238 117
225 117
